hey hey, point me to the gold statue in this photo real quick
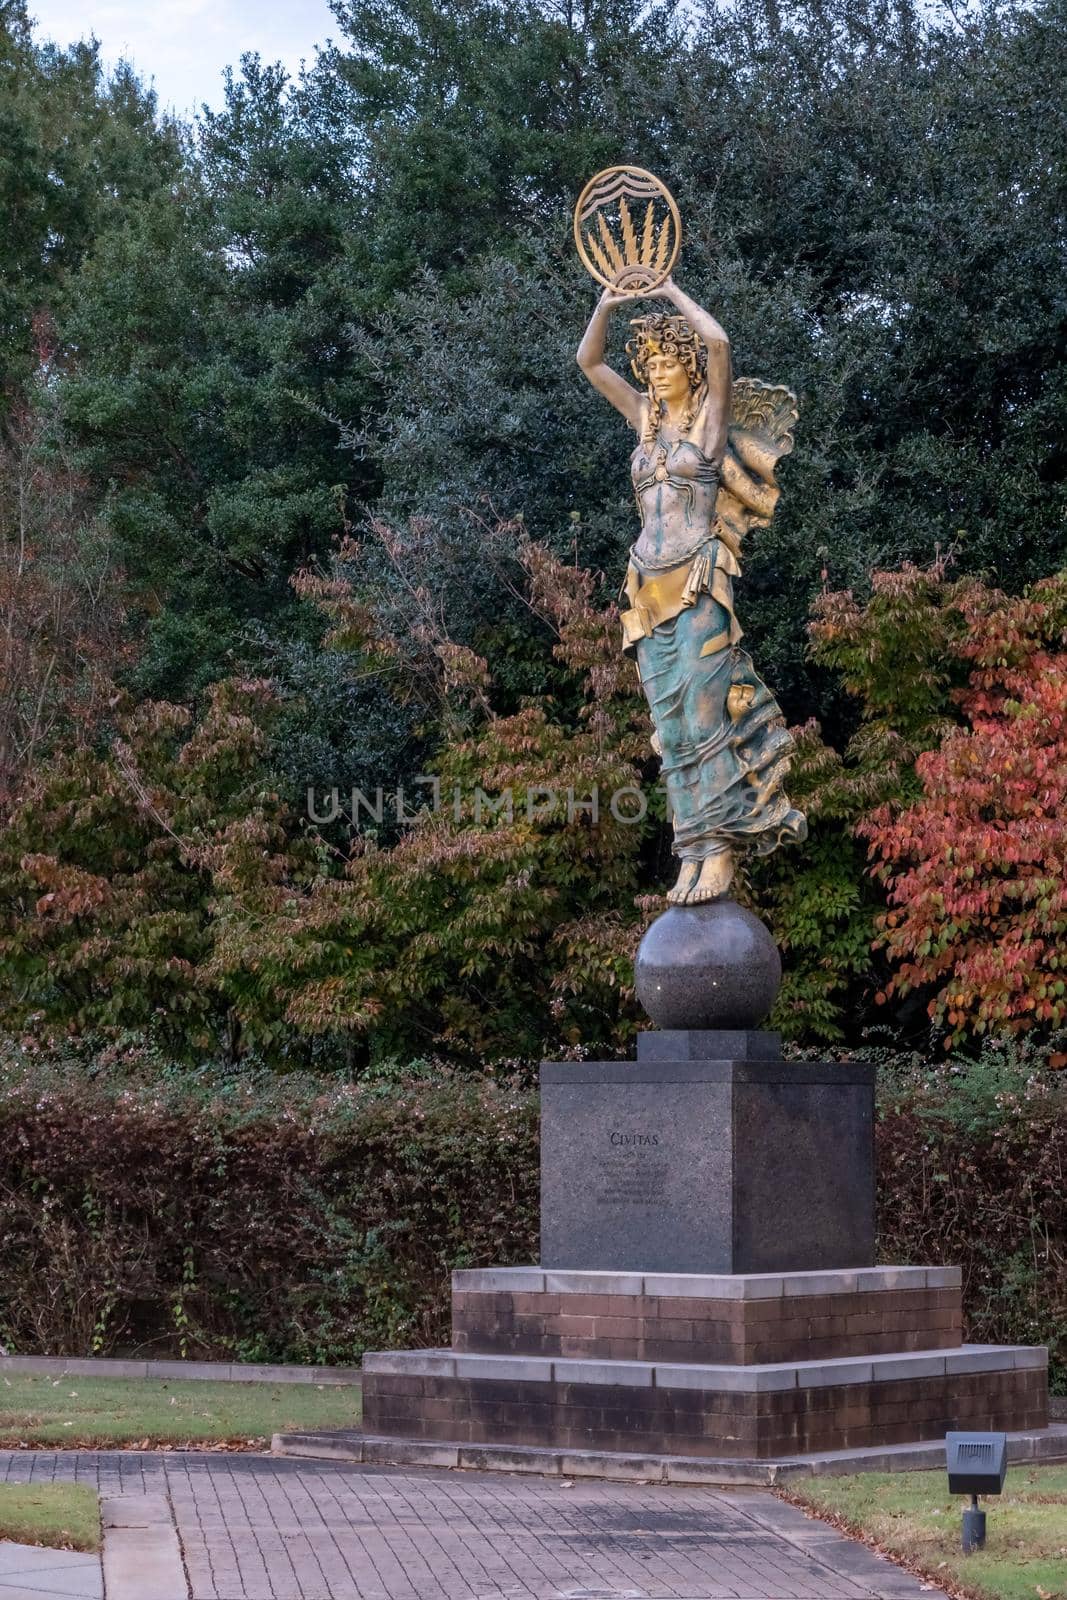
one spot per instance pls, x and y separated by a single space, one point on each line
703 476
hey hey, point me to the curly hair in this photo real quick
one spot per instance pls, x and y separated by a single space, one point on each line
671 336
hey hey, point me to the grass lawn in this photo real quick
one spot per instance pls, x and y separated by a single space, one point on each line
38 1409
64 1516
911 1514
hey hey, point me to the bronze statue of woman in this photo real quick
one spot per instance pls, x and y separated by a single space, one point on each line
703 475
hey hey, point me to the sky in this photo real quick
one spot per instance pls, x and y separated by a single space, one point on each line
182 46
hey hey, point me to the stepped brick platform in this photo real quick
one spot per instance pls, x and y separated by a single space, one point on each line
742 1366
798 1316
704 1410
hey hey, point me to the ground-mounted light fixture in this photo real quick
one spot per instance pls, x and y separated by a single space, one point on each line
977 1464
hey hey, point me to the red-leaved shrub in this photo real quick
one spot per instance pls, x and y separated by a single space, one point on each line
976 869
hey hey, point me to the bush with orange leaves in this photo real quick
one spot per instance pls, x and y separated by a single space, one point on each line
975 868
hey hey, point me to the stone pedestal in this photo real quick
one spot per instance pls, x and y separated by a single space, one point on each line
706 1290
707 1154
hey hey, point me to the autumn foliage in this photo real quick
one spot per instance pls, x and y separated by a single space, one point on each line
504 918
896 654
159 881
162 884
117 864
975 869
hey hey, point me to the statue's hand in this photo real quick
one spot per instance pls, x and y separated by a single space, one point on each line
668 290
612 298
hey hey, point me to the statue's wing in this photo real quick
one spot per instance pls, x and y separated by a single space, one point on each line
761 432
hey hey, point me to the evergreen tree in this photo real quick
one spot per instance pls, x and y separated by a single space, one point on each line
75 150
210 334
477 120
871 204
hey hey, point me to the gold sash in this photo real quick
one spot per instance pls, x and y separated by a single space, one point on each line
658 598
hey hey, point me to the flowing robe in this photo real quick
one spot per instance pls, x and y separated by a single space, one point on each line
719 731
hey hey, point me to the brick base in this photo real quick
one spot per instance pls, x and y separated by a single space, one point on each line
742 1366
664 1327
697 1421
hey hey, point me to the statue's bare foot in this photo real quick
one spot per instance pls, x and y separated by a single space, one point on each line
686 881
714 878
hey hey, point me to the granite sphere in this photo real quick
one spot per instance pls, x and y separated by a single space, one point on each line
713 965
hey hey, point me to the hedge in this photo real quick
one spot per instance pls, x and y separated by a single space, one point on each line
262 1219
268 1218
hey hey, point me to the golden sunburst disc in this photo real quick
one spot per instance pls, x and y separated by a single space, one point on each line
627 230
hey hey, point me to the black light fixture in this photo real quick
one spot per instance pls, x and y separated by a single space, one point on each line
977 1464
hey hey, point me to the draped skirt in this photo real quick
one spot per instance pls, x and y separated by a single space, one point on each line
721 736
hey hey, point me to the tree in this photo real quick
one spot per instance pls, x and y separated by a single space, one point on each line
475 120
111 865
161 885
975 869
75 149
504 917
385 242
210 359
899 658
61 622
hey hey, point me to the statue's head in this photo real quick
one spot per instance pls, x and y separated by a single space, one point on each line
667 358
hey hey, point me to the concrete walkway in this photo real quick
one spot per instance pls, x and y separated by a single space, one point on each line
28 1573
257 1528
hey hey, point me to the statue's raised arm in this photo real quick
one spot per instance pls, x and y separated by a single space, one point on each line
623 396
703 474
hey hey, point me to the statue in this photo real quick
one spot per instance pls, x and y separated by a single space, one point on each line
703 476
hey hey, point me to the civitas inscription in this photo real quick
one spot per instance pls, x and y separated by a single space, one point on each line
632 1171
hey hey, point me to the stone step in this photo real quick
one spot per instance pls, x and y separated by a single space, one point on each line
720 1377
1039 1445
707 1286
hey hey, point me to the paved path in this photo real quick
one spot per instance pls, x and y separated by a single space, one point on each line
256 1528
27 1573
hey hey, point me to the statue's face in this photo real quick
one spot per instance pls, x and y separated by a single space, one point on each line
667 376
